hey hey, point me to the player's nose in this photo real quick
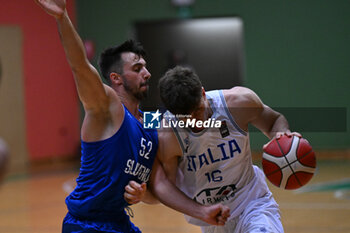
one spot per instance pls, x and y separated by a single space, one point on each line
146 75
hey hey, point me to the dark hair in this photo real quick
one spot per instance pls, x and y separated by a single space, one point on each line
180 90
110 59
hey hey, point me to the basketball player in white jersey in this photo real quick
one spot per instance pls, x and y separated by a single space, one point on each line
212 165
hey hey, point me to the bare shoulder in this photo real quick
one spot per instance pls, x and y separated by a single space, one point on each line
102 121
112 94
115 106
108 107
244 105
241 97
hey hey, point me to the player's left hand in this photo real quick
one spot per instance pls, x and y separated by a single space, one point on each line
134 192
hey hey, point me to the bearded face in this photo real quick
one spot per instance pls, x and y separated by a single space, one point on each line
135 75
135 89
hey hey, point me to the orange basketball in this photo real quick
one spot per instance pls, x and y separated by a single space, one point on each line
289 162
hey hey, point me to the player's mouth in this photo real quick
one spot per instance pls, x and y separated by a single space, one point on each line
144 84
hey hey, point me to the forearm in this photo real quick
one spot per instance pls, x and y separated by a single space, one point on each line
177 200
89 84
280 125
72 43
168 194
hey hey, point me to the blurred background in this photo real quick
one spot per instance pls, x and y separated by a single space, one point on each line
294 54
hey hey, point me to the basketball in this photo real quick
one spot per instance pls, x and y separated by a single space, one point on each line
289 162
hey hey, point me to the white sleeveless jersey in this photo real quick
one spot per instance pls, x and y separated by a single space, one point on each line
216 165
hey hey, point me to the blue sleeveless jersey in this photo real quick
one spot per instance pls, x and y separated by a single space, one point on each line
107 166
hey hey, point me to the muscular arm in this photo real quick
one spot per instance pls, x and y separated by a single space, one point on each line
88 82
247 108
172 197
99 100
162 185
271 122
166 191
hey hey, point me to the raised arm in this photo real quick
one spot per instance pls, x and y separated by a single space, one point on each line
103 109
91 90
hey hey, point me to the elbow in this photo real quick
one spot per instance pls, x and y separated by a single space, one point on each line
158 188
154 187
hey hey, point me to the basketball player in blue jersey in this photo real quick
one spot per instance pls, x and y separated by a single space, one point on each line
214 164
117 152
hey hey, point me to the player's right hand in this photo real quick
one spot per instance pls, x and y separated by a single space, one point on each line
55 8
216 214
134 192
280 134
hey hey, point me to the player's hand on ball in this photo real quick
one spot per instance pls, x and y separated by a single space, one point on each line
216 214
288 162
134 192
280 134
288 133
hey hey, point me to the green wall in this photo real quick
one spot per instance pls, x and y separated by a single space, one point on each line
297 52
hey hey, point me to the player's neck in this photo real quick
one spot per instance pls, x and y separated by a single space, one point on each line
207 113
132 105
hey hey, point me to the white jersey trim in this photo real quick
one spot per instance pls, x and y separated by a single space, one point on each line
229 114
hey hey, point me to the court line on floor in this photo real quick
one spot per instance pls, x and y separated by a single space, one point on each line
317 205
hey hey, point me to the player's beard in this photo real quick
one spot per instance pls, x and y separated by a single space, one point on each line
136 91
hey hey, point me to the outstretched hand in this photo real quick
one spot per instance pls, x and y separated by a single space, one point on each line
134 192
55 8
216 214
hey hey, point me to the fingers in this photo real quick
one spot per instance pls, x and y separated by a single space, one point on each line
280 134
144 187
265 145
136 186
223 216
131 199
296 134
55 8
288 133
216 214
221 220
134 192
226 212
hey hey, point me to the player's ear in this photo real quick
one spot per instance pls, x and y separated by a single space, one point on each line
203 93
115 78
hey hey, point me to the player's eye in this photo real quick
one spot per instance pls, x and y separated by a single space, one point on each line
137 69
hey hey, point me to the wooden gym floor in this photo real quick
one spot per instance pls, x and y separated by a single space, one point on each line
33 202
